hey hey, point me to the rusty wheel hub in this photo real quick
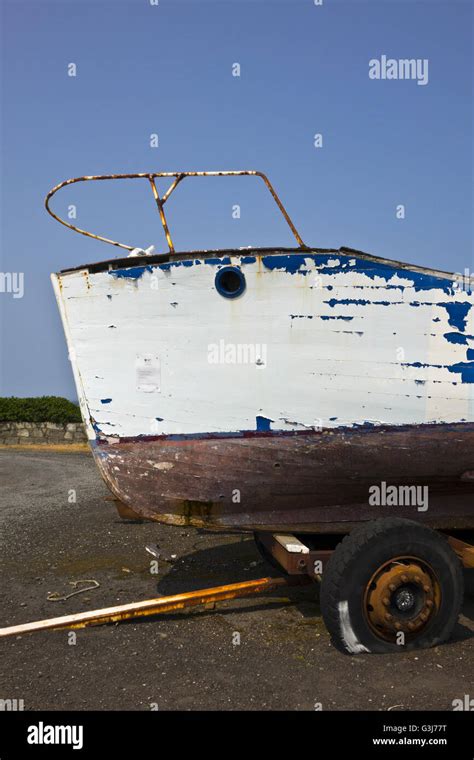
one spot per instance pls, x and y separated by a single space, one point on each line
403 595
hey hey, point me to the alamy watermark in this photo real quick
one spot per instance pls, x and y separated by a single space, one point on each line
466 703
464 281
237 353
12 282
399 68
382 495
41 733
12 705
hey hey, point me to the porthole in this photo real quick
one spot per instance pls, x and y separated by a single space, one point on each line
230 282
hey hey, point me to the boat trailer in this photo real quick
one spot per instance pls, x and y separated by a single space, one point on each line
293 556
301 564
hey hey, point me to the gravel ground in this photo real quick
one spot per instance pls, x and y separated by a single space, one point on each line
189 660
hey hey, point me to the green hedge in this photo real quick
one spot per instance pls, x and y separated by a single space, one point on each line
39 409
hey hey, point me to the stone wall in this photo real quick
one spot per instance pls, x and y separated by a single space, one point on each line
20 433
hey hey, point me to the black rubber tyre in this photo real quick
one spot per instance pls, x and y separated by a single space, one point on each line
359 564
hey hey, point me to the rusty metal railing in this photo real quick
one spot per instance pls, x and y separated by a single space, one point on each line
160 202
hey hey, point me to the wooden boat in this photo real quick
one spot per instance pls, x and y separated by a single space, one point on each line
271 389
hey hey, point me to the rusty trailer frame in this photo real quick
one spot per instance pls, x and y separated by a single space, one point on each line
301 564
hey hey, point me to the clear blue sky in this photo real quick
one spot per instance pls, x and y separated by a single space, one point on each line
167 69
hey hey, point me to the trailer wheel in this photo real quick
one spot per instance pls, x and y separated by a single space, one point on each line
391 584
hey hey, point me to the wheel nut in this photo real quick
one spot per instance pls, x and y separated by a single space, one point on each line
398 626
392 587
386 601
426 589
411 625
429 603
388 618
404 578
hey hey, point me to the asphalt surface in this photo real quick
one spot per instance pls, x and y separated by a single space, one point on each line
188 660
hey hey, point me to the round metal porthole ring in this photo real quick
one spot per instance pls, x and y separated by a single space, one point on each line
230 282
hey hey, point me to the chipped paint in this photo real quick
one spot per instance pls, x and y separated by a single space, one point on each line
263 423
315 370
131 273
458 313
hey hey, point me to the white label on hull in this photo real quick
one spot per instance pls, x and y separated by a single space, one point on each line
148 373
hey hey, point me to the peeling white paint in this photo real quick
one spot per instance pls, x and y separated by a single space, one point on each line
333 350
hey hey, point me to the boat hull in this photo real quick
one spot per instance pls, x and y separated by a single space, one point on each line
311 482
330 375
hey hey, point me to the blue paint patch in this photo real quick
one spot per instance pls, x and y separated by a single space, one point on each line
95 426
193 436
188 263
420 365
166 267
358 302
263 423
455 337
248 260
470 354
105 400
419 281
457 313
132 273
215 261
290 263
346 319
465 369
